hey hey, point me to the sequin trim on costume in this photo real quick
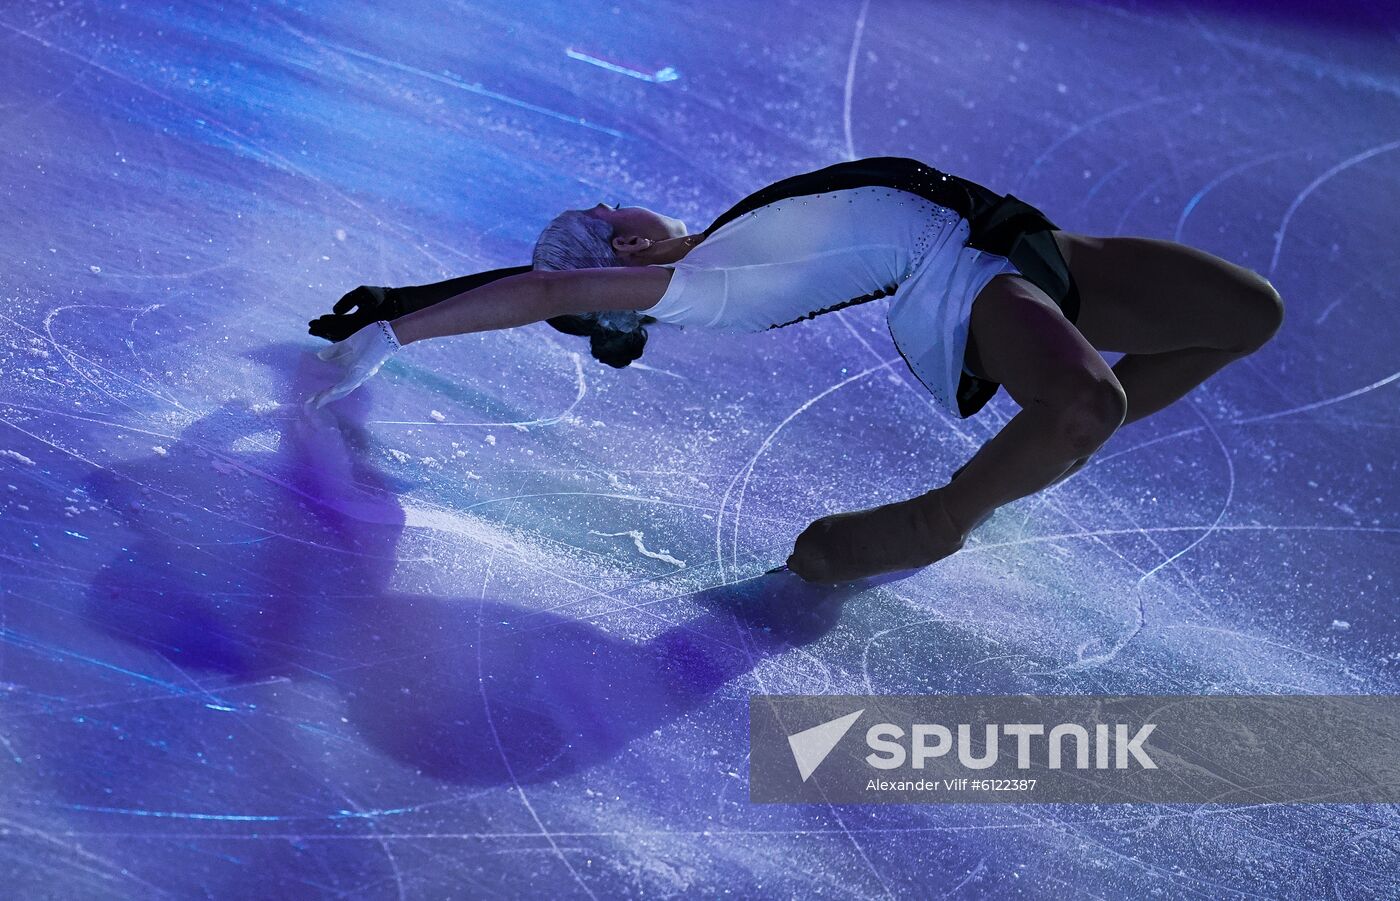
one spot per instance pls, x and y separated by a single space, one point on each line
940 219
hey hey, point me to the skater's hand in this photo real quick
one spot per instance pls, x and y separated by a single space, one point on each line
360 355
354 311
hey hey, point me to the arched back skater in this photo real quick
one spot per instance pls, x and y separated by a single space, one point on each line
986 293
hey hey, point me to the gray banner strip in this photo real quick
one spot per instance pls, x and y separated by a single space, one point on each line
980 749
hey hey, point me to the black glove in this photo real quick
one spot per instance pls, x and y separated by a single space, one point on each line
356 310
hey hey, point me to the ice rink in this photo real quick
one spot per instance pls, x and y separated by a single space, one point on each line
489 627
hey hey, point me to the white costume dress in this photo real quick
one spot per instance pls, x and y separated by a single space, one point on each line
801 256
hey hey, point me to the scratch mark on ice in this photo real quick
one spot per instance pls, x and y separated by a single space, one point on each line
636 536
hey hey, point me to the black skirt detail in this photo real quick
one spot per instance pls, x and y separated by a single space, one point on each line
1024 233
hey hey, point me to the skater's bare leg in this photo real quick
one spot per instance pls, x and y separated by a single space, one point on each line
1153 381
1071 403
1178 313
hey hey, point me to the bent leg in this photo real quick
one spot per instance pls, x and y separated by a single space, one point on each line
1071 404
1179 314
1149 296
1154 381
1071 401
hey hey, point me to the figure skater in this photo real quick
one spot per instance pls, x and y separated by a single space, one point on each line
987 292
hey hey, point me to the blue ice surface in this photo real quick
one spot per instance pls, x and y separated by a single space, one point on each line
489 627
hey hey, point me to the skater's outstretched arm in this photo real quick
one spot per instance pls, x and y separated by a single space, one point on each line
369 303
535 296
504 303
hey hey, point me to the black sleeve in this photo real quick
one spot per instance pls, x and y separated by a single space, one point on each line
416 297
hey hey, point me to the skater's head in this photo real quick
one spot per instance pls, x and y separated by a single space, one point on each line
603 236
635 228
600 237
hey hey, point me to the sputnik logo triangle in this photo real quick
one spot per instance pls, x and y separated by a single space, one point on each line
811 746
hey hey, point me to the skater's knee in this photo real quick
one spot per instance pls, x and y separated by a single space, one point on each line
1258 316
1089 411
